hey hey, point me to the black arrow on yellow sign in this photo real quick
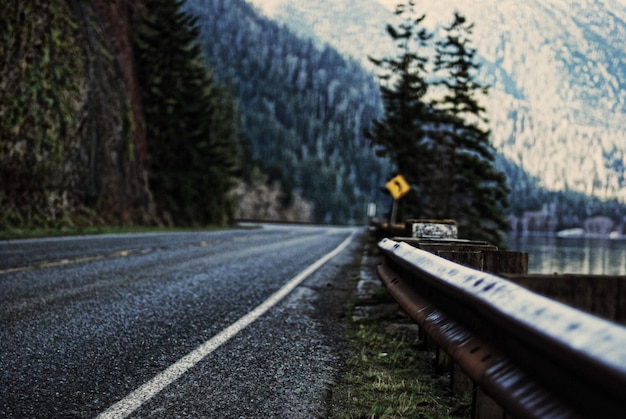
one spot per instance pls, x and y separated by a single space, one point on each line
398 187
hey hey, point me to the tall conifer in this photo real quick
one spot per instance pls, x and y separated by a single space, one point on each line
476 193
441 146
193 147
401 134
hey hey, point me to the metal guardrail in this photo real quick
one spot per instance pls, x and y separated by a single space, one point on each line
535 357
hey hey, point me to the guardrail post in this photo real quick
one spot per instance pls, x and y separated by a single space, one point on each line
461 383
485 407
440 237
488 260
537 357
485 258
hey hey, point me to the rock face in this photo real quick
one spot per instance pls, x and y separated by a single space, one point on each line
71 138
117 17
262 201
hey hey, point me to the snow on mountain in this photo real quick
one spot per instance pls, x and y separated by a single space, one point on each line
557 70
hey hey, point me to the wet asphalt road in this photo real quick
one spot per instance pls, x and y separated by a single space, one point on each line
86 321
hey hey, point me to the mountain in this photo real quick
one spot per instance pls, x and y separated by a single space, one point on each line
557 71
303 107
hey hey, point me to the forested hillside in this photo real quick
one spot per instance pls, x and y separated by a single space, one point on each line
192 122
304 108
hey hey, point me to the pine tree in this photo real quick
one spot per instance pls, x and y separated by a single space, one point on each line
191 123
402 133
476 193
441 146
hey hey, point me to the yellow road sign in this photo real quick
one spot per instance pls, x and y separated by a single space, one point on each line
398 187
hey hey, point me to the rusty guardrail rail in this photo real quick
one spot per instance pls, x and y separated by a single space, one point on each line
535 357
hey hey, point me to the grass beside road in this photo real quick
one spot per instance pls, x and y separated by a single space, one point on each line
394 377
389 373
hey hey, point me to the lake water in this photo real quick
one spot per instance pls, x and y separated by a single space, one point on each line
598 256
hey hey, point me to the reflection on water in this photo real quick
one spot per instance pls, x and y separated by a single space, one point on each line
572 255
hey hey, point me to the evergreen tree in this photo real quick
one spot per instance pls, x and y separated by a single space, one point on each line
440 146
401 135
476 193
191 123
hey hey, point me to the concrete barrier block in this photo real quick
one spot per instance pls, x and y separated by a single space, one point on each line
439 229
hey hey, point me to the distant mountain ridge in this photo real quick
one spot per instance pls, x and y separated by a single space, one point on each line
558 71
303 110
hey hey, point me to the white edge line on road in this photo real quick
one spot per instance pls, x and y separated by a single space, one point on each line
134 400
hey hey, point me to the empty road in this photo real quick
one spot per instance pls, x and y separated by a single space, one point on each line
241 323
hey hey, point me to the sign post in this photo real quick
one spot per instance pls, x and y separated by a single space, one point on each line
397 187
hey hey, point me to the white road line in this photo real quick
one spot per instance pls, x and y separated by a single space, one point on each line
134 400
